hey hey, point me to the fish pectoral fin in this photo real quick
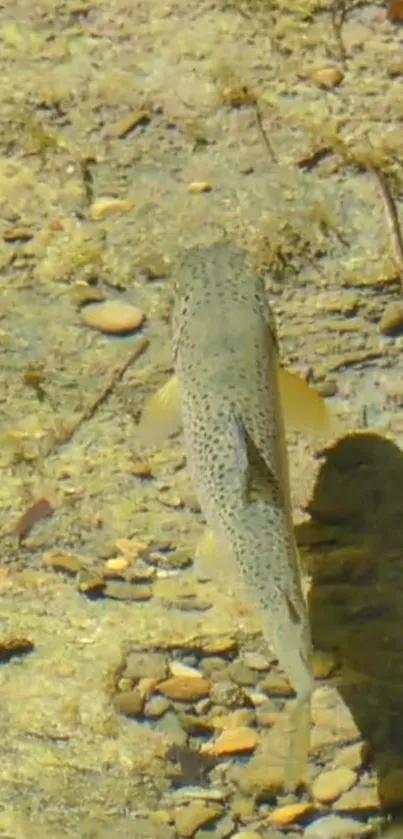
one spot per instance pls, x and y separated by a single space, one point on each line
209 545
258 480
303 407
161 416
214 557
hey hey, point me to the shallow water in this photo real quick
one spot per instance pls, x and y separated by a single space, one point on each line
71 765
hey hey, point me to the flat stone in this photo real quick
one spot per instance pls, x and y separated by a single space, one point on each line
141 665
392 319
130 703
112 316
232 741
240 717
276 684
185 688
156 707
331 784
195 815
353 756
336 827
290 813
359 799
258 779
179 669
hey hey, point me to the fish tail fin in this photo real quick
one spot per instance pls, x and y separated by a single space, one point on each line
161 415
297 759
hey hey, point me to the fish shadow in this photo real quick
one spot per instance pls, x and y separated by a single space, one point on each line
353 549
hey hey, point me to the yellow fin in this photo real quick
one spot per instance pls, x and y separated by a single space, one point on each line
297 760
303 408
214 559
161 415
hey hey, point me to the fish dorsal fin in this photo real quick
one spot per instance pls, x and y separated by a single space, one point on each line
259 481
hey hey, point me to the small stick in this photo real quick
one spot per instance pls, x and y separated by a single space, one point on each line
391 212
259 120
41 509
67 433
338 15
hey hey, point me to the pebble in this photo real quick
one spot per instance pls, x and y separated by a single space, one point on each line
146 686
185 688
326 76
330 784
63 561
330 711
141 665
232 741
195 815
199 186
130 703
218 645
103 207
359 798
169 724
117 590
276 684
156 707
256 661
179 669
14 645
257 698
353 756
128 123
336 827
259 779
112 317
240 717
133 548
241 674
202 793
225 693
117 565
290 813
391 322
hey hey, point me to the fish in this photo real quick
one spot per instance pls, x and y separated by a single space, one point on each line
304 410
228 395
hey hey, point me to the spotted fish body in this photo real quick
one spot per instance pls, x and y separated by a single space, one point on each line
226 363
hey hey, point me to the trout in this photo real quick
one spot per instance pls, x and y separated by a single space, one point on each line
228 391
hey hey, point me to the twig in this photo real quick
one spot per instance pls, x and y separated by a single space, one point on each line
391 213
338 14
259 120
67 433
